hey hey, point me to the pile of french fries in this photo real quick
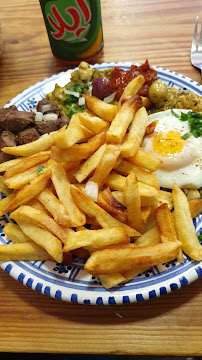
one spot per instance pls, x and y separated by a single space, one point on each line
89 191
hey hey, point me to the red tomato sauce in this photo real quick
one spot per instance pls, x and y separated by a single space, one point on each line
120 78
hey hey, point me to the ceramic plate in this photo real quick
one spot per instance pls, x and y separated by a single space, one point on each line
71 282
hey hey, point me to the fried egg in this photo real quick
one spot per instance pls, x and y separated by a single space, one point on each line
181 159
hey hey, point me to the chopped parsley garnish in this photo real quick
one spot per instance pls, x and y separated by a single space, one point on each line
195 122
200 237
72 105
39 169
77 88
75 108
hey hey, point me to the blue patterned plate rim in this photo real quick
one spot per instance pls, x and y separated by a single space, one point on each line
71 283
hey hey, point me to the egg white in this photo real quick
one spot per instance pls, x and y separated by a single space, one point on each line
183 168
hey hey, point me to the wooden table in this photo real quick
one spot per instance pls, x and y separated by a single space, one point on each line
29 322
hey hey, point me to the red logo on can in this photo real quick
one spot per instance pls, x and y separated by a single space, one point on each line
69 24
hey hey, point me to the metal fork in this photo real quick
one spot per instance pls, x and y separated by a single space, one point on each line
196 56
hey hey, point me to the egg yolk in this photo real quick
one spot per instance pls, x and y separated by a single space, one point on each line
168 144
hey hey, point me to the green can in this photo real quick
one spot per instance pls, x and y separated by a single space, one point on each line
74 28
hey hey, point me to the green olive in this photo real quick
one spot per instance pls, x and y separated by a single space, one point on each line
157 91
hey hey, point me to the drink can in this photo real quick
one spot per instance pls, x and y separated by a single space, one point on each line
74 28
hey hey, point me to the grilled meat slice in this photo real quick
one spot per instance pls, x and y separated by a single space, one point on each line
46 106
28 135
44 127
7 138
13 120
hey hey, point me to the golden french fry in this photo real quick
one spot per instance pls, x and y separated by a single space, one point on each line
55 207
126 168
146 210
111 280
27 163
147 190
3 187
106 164
145 160
74 133
90 164
15 234
119 217
145 213
4 202
151 127
136 133
62 187
43 238
36 204
184 225
95 211
150 237
96 239
122 120
132 88
118 161
195 207
165 223
132 201
121 258
145 200
100 108
149 201
19 180
78 151
146 102
8 164
131 274
37 217
70 168
92 122
23 252
115 181
165 197
41 144
109 203
28 192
